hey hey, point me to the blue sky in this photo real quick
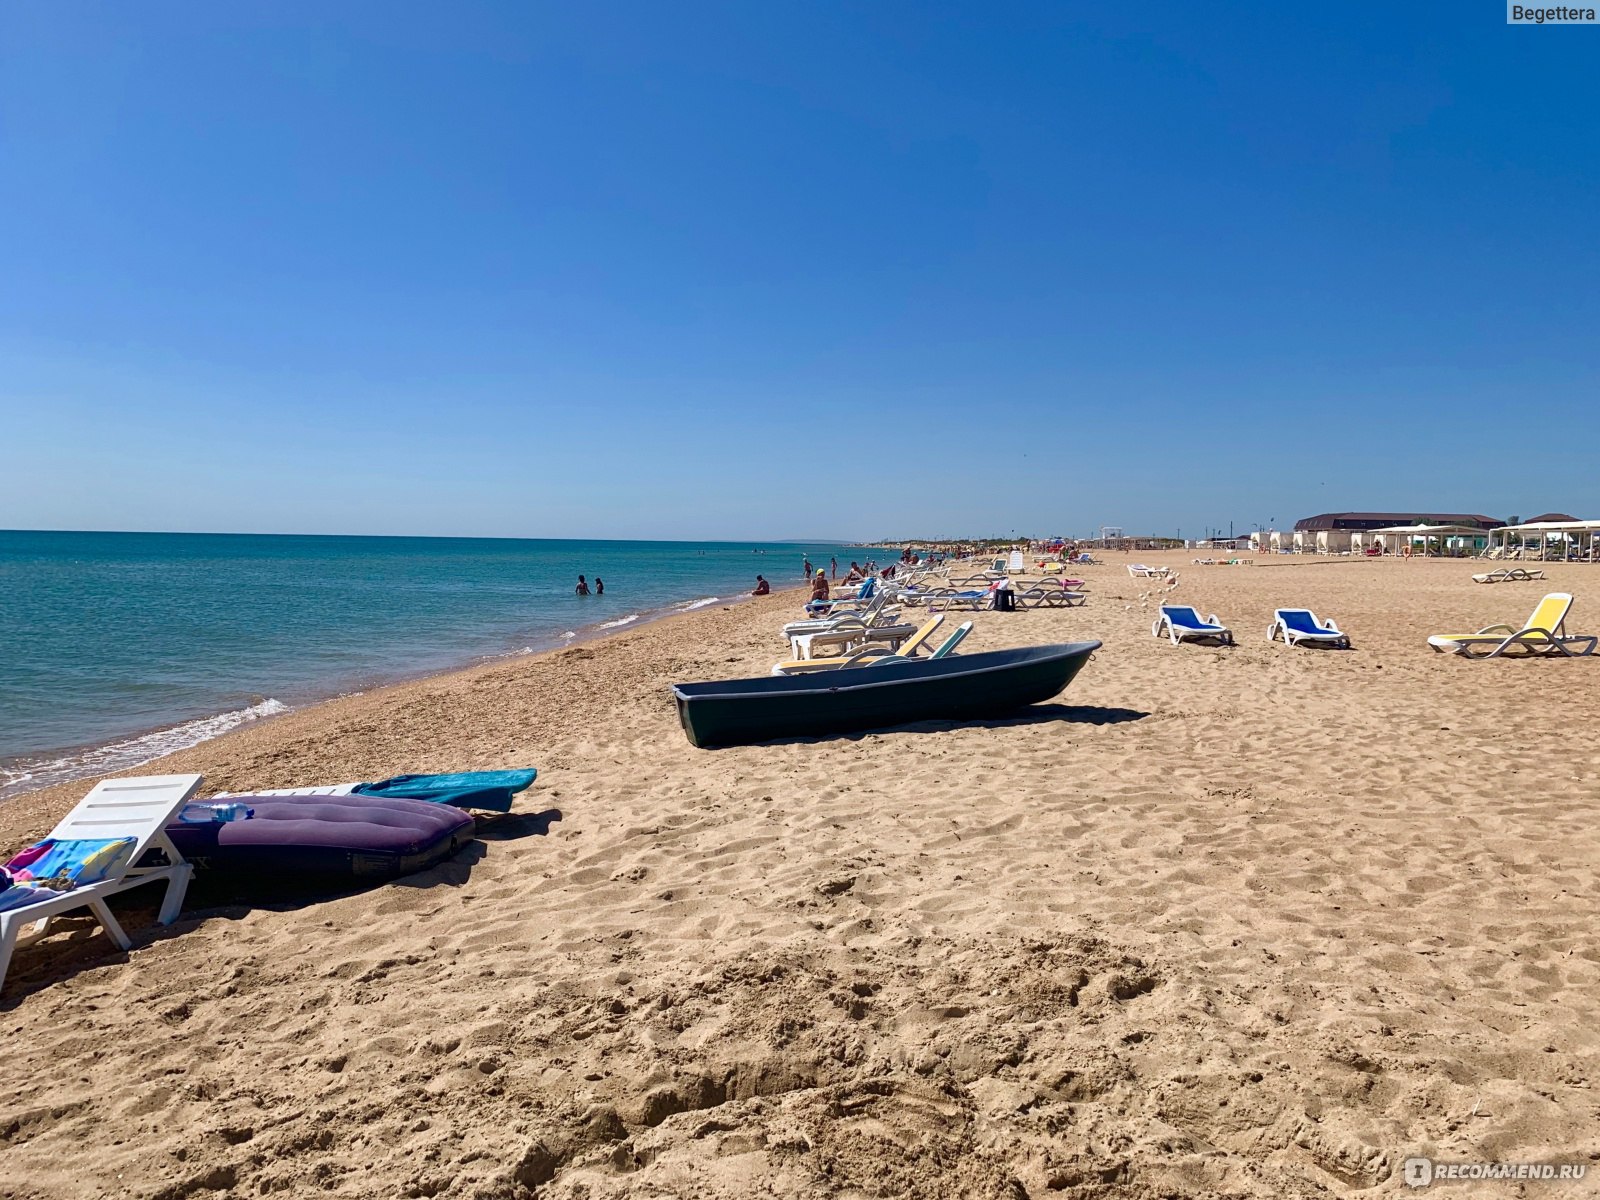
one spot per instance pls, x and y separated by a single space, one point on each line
761 270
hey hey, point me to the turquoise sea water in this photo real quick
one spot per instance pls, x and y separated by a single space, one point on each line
118 647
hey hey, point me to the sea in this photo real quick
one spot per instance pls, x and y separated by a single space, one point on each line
117 648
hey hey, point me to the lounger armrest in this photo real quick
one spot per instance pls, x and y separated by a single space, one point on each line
861 653
1495 629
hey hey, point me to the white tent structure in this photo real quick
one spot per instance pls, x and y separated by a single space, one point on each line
1430 541
1547 541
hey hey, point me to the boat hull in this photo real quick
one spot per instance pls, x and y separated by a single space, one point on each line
735 712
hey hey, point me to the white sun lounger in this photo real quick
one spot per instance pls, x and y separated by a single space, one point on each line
137 808
872 613
1140 571
841 640
1050 595
1508 575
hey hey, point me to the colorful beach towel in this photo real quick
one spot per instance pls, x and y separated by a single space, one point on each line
51 866
491 790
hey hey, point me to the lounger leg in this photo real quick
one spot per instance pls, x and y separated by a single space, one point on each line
177 885
8 942
109 924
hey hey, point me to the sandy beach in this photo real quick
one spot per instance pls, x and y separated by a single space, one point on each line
1249 922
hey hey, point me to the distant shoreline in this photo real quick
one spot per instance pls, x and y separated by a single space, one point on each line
210 675
97 763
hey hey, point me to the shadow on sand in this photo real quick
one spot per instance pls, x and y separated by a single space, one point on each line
1034 714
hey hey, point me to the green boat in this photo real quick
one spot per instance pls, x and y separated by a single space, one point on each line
732 712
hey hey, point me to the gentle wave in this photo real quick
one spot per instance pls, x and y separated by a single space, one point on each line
619 623
29 773
701 603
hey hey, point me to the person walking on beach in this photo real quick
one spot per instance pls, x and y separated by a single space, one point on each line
763 588
583 586
599 586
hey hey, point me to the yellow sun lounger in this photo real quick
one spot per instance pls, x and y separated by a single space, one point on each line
861 656
1544 634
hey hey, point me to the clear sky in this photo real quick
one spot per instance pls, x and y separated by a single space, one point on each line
767 270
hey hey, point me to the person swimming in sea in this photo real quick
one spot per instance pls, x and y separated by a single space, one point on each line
583 586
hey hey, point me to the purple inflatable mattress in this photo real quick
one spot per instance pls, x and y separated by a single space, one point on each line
366 837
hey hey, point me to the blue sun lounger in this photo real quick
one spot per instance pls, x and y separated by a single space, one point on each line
1182 623
1299 625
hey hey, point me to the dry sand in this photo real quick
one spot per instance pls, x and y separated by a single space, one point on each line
1255 922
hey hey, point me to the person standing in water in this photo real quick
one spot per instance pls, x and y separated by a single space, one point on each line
833 568
807 567
583 586
599 586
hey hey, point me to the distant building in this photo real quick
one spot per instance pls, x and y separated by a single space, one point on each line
1357 522
1541 518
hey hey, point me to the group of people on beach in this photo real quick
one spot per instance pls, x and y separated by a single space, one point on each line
856 573
583 586
819 577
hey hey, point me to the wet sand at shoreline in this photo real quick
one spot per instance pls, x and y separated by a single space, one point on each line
1249 922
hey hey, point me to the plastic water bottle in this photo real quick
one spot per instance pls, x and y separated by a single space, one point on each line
215 814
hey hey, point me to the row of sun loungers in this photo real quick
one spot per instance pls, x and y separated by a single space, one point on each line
1543 633
873 654
866 629
1297 626
1043 593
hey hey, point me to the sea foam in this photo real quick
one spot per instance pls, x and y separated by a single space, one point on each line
29 772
